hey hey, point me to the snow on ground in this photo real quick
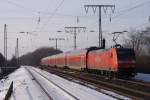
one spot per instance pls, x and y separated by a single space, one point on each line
3 89
55 92
24 87
143 77
80 91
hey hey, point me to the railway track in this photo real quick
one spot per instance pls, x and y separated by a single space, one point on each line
71 96
44 90
132 83
136 82
132 89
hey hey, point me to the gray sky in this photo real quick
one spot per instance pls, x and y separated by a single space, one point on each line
23 15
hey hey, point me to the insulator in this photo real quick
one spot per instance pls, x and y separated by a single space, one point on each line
105 9
94 9
86 9
113 9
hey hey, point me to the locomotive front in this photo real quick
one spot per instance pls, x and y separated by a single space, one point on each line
126 62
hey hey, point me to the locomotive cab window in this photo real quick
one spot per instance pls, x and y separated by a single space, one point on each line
123 54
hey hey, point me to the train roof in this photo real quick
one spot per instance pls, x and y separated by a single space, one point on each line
52 56
120 49
77 51
91 49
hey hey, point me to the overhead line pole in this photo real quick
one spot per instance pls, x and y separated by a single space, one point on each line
5 49
56 39
100 18
5 41
17 46
74 30
17 50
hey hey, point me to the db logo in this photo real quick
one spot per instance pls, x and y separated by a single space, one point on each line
97 59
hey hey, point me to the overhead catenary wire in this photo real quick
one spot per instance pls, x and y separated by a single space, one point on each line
41 12
143 24
70 15
36 11
51 16
118 14
131 8
124 11
21 6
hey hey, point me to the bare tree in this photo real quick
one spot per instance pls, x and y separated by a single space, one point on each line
139 40
135 40
34 57
147 39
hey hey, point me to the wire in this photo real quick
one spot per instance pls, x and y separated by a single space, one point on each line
50 17
69 15
20 6
42 12
130 9
122 12
141 25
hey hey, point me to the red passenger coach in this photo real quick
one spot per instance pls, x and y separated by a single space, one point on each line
76 59
60 60
110 62
48 61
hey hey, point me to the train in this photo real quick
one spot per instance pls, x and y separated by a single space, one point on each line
112 62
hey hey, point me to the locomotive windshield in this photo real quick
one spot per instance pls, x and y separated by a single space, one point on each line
124 54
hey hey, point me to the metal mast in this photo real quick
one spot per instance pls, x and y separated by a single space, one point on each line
5 41
74 30
105 7
17 48
56 39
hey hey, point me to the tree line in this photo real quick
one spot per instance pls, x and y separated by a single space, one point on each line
30 59
139 40
7 66
34 58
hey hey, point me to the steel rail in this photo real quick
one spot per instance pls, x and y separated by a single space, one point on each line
50 98
57 85
135 94
136 82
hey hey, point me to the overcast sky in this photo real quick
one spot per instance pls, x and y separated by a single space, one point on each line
23 16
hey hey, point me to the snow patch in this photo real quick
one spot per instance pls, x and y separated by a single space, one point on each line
24 88
80 91
143 77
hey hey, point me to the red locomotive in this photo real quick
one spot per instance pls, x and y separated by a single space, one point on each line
112 62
